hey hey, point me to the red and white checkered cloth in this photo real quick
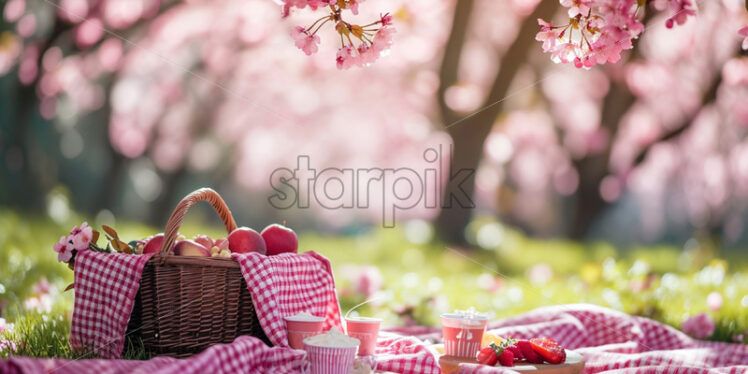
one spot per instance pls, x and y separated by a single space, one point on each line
404 354
245 355
105 288
614 342
288 284
610 341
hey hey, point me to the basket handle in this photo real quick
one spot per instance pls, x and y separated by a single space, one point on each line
203 194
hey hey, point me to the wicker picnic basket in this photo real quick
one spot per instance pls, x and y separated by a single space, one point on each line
186 304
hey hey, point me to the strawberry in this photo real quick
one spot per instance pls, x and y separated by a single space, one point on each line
528 352
506 358
487 356
503 352
549 350
515 351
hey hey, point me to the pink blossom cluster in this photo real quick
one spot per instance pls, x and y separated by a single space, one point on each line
700 326
361 45
599 30
366 53
78 240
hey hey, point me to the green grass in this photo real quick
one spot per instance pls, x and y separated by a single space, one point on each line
413 283
40 335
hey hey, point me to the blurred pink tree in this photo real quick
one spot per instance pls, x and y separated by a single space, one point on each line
218 86
595 135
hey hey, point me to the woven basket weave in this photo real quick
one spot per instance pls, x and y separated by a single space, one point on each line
186 304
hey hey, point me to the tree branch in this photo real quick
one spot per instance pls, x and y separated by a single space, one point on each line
709 96
452 54
511 61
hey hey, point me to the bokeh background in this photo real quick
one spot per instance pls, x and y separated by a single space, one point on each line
625 185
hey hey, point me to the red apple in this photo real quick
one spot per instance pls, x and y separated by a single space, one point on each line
245 240
280 239
191 248
204 241
154 244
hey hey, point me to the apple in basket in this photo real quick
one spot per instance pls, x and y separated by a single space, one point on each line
245 240
191 248
153 244
205 241
280 239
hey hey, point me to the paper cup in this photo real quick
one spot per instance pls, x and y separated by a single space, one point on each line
330 360
366 330
301 328
462 336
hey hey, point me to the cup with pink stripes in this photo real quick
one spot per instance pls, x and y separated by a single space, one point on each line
462 332
331 353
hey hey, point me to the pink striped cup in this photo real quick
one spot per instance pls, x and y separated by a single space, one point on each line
301 328
330 360
462 335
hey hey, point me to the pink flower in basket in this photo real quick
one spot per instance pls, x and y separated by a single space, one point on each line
81 237
700 326
64 249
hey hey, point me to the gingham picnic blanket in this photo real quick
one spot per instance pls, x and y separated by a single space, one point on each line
106 285
611 342
245 355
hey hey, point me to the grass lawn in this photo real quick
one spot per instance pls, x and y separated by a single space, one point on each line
413 279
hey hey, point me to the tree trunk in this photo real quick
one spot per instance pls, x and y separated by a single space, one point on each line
593 168
469 133
24 190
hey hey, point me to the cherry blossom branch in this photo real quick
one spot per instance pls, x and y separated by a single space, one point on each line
604 28
360 45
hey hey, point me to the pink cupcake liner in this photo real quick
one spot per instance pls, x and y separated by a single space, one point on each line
330 360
